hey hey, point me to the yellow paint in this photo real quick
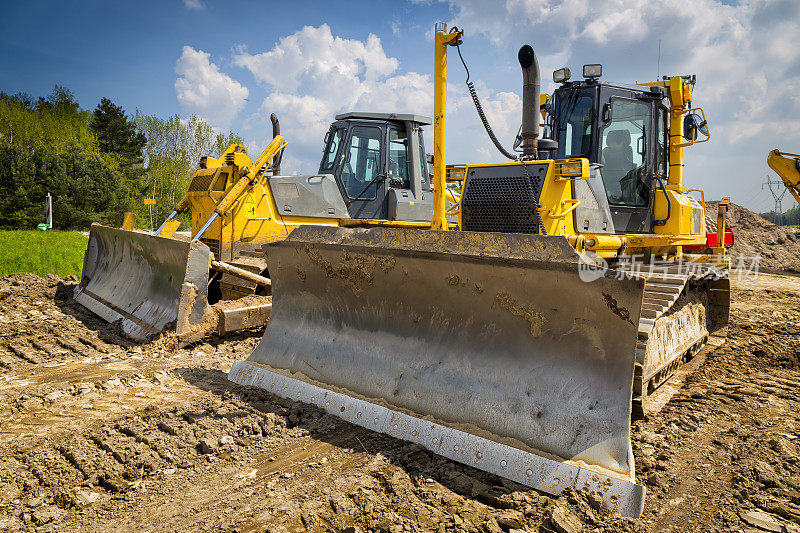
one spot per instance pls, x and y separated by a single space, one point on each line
170 228
442 41
128 221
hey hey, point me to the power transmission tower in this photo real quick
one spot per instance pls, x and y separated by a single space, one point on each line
778 210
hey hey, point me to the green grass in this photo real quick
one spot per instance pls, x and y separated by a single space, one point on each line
42 252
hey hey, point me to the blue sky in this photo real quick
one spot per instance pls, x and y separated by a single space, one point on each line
233 63
127 51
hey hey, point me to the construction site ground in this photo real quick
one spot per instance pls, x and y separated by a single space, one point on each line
98 433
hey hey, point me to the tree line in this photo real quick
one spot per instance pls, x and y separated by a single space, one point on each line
787 218
96 164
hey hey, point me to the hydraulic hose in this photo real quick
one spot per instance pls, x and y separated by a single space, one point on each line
474 94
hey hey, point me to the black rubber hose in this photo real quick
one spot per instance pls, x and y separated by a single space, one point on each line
474 94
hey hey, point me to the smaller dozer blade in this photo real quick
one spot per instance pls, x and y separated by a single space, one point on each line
485 348
138 278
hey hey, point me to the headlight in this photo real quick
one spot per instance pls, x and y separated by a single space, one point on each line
561 75
592 71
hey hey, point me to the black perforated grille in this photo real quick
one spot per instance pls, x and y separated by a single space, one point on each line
504 204
201 183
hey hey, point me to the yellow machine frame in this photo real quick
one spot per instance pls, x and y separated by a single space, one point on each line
686 214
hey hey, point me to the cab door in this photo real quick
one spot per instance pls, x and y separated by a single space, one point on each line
363 174
626 146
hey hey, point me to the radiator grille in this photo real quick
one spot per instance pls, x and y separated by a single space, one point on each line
504 204
201 183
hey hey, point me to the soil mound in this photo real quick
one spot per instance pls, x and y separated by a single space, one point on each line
778 246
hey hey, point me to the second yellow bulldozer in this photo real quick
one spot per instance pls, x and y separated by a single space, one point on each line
374 171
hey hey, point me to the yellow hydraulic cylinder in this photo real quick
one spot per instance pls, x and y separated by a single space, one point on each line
249 177
442 41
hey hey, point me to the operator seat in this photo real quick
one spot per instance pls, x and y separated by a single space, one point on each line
617 162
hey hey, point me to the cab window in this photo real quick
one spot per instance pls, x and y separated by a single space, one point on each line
398 162
423 163
575 119
623 152
662 142
362 162
332 148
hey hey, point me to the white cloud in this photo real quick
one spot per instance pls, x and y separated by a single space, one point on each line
202 89
193 4
312 75
747 67
748 76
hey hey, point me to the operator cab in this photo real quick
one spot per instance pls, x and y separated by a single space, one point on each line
379 164
623 131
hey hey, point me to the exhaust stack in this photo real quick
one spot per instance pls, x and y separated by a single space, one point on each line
530 102
276 130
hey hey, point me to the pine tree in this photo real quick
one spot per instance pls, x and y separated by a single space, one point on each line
116 134
118 137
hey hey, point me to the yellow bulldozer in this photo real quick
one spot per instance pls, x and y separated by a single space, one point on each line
581 275
374 171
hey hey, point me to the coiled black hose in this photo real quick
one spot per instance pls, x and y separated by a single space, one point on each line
474 94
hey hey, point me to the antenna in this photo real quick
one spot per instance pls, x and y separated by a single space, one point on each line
658 76
777 197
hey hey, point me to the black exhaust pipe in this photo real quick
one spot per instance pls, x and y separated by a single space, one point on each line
276 130
530 102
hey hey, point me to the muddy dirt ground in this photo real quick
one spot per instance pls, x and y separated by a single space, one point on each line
98 434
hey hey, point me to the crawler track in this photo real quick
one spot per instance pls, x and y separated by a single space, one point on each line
682 303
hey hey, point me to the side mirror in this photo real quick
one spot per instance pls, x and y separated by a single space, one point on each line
693 124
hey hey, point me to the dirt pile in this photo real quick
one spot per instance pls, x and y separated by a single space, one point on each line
778 246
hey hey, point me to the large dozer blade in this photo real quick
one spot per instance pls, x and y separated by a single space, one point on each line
485 348
138 278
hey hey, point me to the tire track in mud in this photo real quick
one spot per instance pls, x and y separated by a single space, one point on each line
116 456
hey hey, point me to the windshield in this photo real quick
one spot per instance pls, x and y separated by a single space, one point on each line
574 123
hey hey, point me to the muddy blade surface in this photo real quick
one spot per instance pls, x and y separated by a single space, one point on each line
493 339
138 278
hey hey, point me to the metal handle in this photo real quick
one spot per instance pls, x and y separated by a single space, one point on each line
702 195
573 204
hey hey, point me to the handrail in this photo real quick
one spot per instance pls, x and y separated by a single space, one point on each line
574 204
